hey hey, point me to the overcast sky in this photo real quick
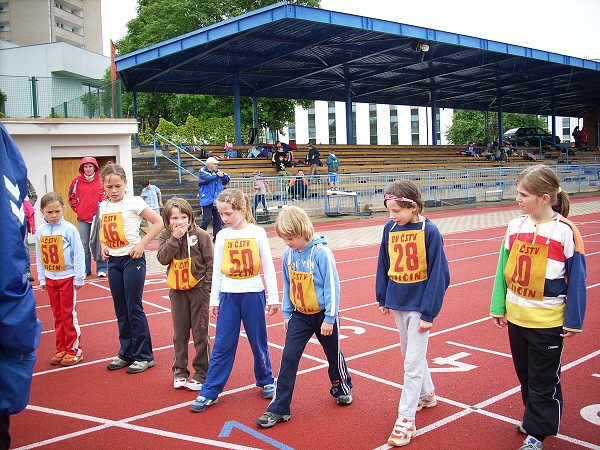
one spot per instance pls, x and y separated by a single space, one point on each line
568 27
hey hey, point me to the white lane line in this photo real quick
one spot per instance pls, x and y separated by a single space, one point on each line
479 349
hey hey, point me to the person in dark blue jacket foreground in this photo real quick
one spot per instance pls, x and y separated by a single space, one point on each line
19 328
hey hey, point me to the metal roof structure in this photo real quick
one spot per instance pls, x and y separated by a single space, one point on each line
296 52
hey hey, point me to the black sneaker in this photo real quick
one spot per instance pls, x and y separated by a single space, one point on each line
270 419
344 400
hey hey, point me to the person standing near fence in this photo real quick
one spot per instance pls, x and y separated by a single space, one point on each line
210 184
85 192
333 165
261 187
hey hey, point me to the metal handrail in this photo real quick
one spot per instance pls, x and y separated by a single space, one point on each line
177 163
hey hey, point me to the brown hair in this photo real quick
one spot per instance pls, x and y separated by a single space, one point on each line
113 169
406 189
540 180
239 202
293 221
51 197
184 206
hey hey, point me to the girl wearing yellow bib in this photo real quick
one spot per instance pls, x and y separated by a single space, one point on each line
412 278
540 296
61 271
238 295
187 251
123 246
311 301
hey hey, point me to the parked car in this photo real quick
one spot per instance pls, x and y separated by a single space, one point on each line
529 137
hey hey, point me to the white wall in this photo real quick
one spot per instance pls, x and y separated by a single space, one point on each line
42 140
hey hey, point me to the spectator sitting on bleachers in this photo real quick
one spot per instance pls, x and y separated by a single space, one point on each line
285 150
281 165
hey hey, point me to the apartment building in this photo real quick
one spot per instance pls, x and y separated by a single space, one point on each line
30 22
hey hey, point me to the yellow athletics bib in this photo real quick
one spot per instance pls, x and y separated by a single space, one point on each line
525 271
180 275
113 233
241 258
302 292
51 250
408 256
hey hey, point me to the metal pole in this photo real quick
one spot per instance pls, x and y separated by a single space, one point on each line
34 104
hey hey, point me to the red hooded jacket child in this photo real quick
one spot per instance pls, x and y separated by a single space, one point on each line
84 193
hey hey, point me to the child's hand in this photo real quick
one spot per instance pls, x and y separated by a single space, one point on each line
500 322
424 326
137 251
214 311
43 287
326 329
384 310
568 334
104 253
179 230
285 324
272 309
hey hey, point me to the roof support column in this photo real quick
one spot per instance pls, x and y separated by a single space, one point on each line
254 112
553 128
500 124
237 116
433 117
136 137
349 127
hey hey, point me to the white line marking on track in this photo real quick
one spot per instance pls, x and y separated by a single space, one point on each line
479 349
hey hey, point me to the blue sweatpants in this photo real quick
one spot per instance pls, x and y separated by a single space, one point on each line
234 308
126 277
300 329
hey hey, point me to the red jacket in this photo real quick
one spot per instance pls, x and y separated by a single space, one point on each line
84 195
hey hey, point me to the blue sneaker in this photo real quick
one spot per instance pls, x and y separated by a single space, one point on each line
201 403
268 391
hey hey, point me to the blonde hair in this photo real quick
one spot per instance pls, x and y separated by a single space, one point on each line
113 169
51 197
183 206
405 189
293 221
239 201
540 180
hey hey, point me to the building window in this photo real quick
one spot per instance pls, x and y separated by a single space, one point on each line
566 129
372 124
331 122
292 131
312 126
354 121
438 126
414 126
394 125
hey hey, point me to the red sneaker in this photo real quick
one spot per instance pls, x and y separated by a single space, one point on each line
71 360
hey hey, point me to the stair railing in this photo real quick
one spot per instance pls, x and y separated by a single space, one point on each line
179 149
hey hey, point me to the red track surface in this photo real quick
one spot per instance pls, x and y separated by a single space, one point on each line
87 406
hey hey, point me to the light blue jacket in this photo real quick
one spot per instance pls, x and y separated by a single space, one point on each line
318 259
72 250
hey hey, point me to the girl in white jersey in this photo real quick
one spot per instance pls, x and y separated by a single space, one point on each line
124 248
238 295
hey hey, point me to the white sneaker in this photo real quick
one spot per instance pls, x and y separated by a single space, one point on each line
101 274
402 433
179 383
193 385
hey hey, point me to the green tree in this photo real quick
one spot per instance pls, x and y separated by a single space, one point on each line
468 125
159 20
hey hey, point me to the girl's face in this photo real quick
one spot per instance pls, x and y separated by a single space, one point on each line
401 215
177 219
295 242
53 212
233 218
538 207
114 186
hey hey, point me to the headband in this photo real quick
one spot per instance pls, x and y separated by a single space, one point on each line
398 199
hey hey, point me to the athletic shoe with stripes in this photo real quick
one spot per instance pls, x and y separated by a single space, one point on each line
427 402
402 433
